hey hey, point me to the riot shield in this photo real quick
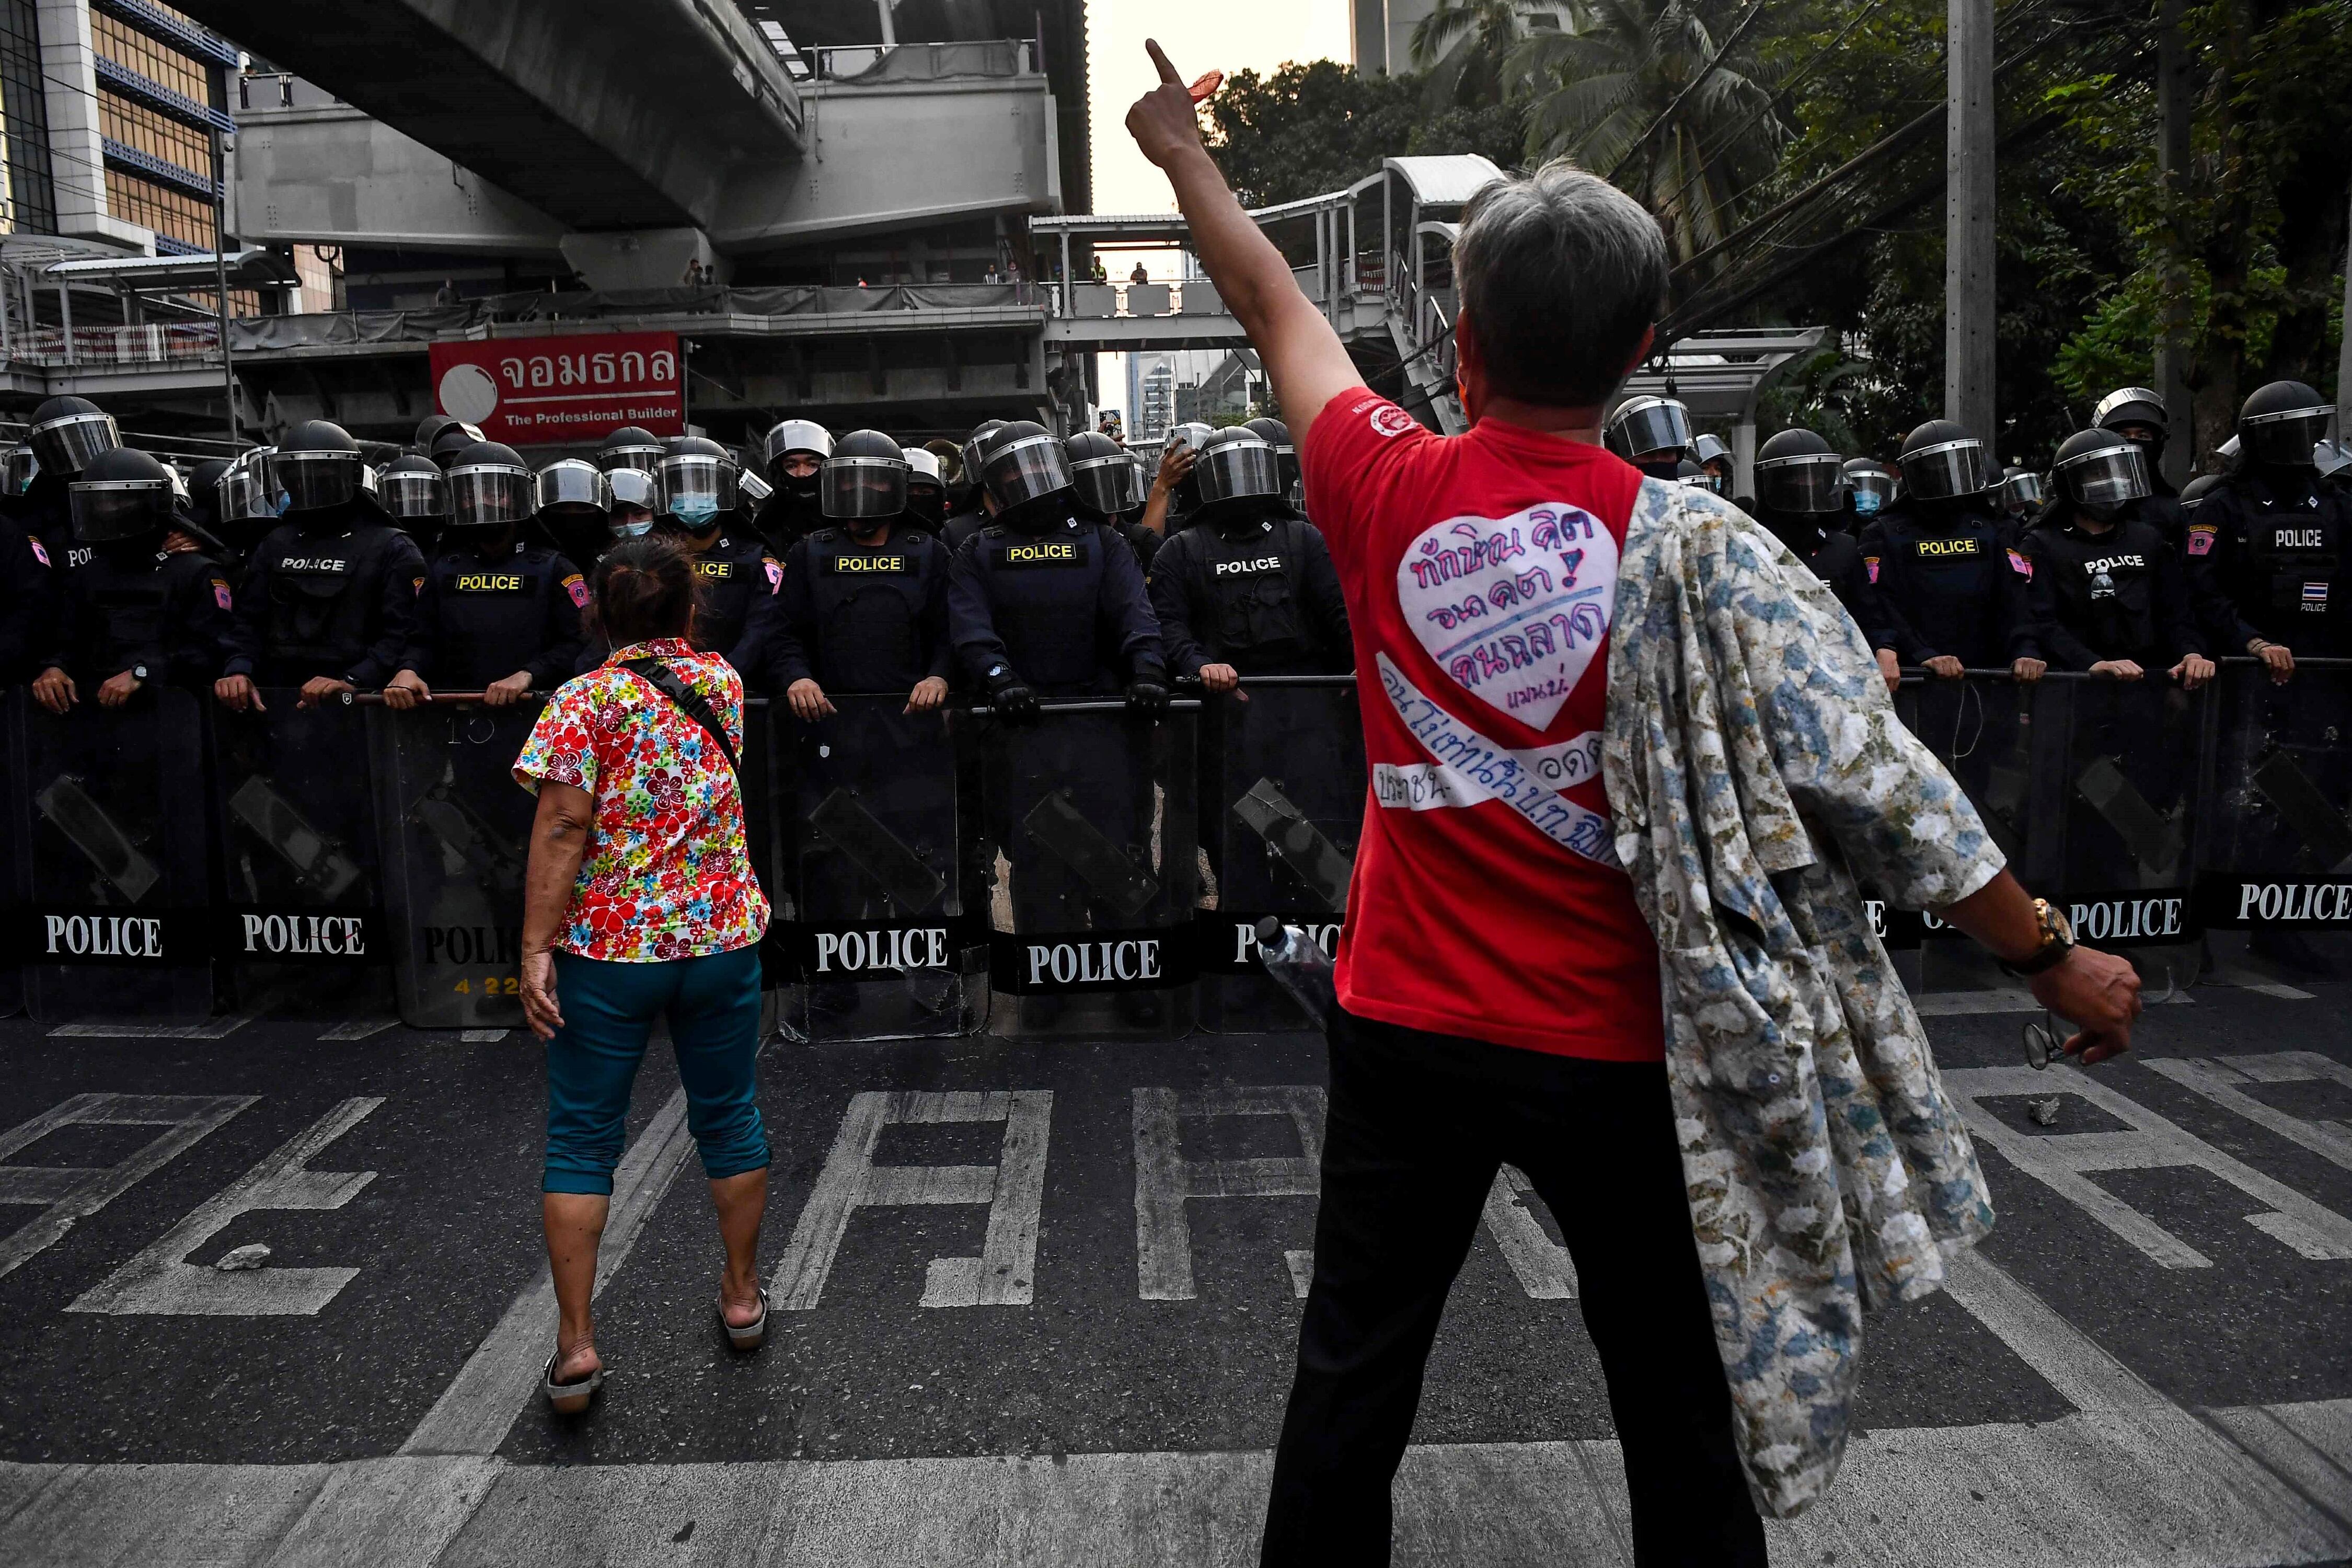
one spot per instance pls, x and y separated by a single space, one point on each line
455 836
1084 837
2274 859
2123 862
301 931
107 843
1283 791
869 906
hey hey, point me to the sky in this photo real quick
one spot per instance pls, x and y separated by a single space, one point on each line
1198 36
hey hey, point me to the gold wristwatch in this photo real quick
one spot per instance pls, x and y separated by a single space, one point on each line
2057 941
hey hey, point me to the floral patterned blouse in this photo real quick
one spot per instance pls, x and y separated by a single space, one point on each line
666 873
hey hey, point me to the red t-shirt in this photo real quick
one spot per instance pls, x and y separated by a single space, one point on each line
1481 574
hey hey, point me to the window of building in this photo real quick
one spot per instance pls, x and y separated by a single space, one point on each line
159 63
137 126
31 202
173 214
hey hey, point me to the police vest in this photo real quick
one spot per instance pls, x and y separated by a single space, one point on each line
1251 582
323 592
2291 561
2105 586
868 606
728 579
493 615
1044 594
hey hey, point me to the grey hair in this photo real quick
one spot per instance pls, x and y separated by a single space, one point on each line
1561 273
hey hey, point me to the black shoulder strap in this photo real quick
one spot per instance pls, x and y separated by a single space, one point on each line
690 703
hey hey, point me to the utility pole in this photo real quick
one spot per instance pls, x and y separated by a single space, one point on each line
1968 319
2172 174
2344 352
220 276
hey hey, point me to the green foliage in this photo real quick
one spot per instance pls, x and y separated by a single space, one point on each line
1308 129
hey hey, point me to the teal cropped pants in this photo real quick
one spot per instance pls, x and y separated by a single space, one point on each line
713 1007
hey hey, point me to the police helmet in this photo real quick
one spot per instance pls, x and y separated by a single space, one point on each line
490 486
864 480
696 482
1024 463
1797 472
1236 464
1104 474
204 489
244 493
21 467
634 501
2020 488
630 447
316 467
791 437
1688 471
2194 492
573 488
1285 454
1869 476
2100 467
413 489
450 443
1942 461
121 496
975 450
1640 425
2129 409
2281 423
429 428
1709 448
67 432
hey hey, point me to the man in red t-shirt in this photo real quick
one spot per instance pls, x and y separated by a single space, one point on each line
1499 996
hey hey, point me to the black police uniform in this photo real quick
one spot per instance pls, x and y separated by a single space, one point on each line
735 600
29 602
482 617
327 592
1947 584
2117 594
959 529
1145 542
786 519
163 616
2269 545
1260 595
856 617
1834 557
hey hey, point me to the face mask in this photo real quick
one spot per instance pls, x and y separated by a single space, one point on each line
1865 503
695 513
636 528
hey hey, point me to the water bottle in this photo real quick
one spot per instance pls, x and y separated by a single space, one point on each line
1299 964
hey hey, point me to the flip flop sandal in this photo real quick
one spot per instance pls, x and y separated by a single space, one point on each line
752 1335
569 1398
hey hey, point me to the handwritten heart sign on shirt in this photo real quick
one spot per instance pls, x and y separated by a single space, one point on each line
1513 608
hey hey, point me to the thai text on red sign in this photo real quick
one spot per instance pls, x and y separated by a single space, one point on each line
534 391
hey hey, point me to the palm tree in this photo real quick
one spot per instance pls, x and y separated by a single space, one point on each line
1464 44
1628 89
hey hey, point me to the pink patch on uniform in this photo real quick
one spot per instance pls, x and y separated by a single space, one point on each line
221 596
2021 565
2201 542
40 554
1871 562
775 574
578 589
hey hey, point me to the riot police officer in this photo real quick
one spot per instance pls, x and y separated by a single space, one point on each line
926 493
630 447
452 443
1250 590
736 575
575 509
1869 490
794 454
977 506
28 589
1713 458
67 433
414 493
1285 461
2107 593
133 613
498 614
632 499
329 596
1040 604
864 602
1106 484
1800 495
1950 584
2271 538
1651 433
17 470
2020 494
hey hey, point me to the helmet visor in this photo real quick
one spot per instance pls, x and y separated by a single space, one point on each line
1942 472
310 481
855 487
695 486
2283 438
1108 485
111 510
1025 470
240 496
751 488
797 435
632 487
1813 483
411 494
646 459
489 495
1651 425
2109 477
22 466
2129 405
1872 482
572 487
66 446
1229 470
2024 489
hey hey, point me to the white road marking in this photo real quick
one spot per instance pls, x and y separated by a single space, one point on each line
217 1030
160 1280
358 1029
2109 1491
473 1414
482 1037
1014 1189
1545 1270
1962 1004
2067 1359
2248 980
2064 1161
1165 1180
69 1195
2222 1080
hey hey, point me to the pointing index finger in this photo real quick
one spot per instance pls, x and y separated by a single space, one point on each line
1167 74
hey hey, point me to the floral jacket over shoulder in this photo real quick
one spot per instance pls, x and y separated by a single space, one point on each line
1757 769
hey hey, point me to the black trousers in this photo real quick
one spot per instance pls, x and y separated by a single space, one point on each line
1418 1125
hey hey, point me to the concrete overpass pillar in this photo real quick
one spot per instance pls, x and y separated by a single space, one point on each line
643 258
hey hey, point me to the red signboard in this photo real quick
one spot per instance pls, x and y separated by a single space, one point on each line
531 391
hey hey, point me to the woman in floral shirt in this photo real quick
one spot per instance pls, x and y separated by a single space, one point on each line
641 903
